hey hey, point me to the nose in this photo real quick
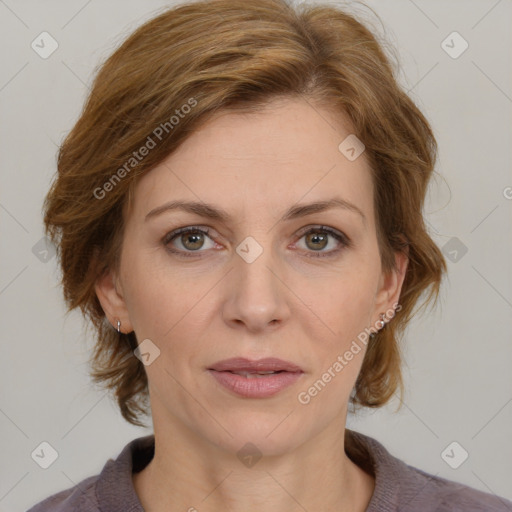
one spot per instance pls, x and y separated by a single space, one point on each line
256 295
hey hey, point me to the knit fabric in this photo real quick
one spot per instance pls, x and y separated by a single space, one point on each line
399 487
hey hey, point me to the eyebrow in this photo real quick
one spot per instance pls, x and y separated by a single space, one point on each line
215 213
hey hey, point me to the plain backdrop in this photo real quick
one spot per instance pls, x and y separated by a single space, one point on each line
457 358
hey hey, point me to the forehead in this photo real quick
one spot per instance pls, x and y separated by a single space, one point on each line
261 162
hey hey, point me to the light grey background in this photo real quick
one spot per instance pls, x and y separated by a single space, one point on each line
458 358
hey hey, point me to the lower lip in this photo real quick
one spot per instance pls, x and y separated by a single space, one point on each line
256 387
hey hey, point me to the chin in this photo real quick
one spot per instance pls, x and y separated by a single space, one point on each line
264 433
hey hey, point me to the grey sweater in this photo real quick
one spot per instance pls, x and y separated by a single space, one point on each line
398 486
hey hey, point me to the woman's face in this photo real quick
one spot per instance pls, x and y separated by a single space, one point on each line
271 279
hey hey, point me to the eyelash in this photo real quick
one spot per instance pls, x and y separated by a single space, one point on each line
344 241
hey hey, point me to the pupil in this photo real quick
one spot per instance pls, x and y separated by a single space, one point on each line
196 240
318 238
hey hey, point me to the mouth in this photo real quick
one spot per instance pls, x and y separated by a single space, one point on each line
255 379
241 365
252 375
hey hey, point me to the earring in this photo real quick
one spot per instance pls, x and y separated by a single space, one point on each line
118 326
382 324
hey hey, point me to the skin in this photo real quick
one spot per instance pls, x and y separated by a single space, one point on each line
286 304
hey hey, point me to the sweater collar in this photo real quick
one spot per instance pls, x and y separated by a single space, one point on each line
115 480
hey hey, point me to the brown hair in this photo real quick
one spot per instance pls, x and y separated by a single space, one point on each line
175 72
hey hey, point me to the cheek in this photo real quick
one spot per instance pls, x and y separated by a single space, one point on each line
160 300
345 313
348 305
150 305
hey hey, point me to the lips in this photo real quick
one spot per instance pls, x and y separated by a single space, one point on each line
255 379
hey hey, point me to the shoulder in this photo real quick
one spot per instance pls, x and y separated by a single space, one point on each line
81 497
402 487
112 490
445 495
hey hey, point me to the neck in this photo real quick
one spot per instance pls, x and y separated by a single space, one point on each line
192 474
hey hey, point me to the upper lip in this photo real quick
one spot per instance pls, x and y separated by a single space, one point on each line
241 364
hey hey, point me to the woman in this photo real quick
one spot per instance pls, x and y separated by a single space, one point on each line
238 211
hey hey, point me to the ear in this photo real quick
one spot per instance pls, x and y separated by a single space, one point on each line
112 301
390 286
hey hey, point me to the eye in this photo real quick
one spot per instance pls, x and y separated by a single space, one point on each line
191 239
317 239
